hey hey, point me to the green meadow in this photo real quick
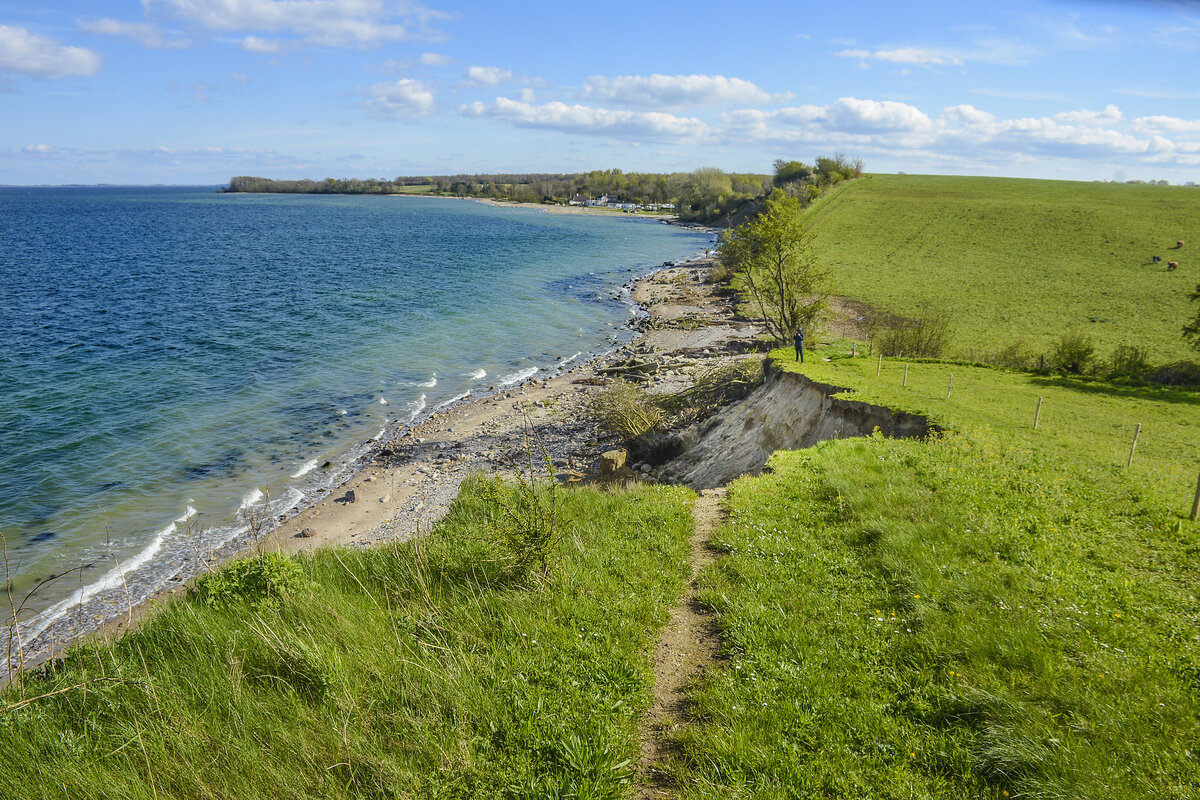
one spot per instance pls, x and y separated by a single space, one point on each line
998 611
1018 260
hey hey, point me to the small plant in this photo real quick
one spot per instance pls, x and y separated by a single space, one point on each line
525 523
927 336
625 411
1074 353
259 581
1015 355
1129 361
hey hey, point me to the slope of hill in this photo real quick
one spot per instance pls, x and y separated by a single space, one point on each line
1017 259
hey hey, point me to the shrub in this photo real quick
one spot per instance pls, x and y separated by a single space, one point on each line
927 336
1131 361
1015 355
522 518
627 412
258 581
1074 353
1179 373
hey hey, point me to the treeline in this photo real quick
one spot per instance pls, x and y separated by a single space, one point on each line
707 194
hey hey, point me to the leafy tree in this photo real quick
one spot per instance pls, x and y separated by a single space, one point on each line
1191 330
772 263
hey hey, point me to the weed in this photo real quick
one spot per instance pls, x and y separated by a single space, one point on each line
1074 353
260 581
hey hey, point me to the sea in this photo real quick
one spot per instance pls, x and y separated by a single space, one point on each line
178 364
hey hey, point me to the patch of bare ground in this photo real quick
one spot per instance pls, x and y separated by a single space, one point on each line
687 646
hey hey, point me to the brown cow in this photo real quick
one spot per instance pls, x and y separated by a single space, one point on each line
1179 245
1172 266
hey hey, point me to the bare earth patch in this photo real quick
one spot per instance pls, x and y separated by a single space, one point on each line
689 643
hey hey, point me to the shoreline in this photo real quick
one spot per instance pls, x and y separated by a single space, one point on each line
402 484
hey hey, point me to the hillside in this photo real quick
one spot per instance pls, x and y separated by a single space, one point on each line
1018 259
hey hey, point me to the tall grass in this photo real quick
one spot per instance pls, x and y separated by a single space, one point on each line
413 670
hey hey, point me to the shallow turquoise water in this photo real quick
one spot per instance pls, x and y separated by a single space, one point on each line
172 355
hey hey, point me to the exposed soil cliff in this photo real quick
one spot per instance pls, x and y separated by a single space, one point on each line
788 412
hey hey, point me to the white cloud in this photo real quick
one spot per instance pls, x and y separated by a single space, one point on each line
435 59
1156 124
327 23
985 51
403 98
591 121
675 91
905 55
256 44
144 33
1108 116
37 149
41 57
486 76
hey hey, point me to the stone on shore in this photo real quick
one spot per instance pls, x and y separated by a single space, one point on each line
612 460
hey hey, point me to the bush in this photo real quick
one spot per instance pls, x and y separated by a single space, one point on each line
1015 355
924 337
1179 373
626 412
1074 353
258 581
1129 361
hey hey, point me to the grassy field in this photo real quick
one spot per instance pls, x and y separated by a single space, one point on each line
1018 259
998 612
414 670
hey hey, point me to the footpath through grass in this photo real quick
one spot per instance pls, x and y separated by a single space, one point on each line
997 612
413 670
1018 260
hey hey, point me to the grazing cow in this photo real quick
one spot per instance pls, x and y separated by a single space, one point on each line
1157 259
1179 245
1172 266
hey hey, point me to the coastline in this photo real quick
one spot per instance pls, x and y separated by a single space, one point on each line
403 484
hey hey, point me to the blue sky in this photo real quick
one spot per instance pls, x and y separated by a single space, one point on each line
196 91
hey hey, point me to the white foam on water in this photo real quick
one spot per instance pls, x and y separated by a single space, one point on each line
572 358
188 513
379 435
429 384
517 377
416 407
308 467
251 499
452 401
342 412
383 401
479 374
112 579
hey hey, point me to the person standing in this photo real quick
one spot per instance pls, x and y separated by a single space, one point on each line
799 341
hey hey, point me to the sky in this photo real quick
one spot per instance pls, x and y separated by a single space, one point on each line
194 92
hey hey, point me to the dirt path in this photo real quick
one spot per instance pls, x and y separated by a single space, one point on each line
688 644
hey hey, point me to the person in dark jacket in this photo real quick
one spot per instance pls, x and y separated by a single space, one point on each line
799 340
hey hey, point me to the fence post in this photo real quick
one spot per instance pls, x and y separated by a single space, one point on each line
950 386
1037 415
1133 446
879 365
1196 502
853 350
905 375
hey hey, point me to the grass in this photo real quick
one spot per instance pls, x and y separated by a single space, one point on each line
1018 259
996 612
413 670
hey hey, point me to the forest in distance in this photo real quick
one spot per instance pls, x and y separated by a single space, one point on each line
702 194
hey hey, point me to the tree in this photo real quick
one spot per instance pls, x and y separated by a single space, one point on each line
1191 330
772 263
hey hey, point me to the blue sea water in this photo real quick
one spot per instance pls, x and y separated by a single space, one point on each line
174 359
